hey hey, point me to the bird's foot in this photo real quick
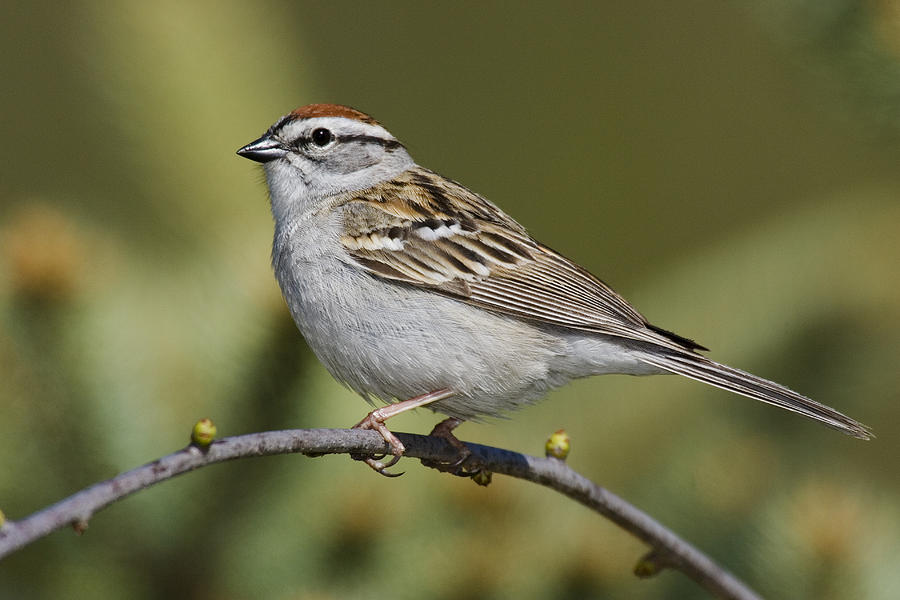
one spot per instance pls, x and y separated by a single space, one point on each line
464 465
375 420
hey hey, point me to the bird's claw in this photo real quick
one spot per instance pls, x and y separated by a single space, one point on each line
457 467
374 421
381 469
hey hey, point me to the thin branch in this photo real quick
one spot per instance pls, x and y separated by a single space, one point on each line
667 549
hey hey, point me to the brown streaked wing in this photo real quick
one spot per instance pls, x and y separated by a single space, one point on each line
486 259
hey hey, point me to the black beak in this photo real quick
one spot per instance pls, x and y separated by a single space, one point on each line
263 150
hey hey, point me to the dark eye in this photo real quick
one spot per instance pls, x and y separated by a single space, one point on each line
321 137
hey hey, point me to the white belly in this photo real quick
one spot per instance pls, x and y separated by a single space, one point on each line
393 341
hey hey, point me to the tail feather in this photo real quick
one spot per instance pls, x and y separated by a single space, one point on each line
702 369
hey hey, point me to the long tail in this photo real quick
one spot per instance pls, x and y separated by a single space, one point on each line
734 380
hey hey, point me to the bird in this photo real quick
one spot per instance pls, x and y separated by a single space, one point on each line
415 291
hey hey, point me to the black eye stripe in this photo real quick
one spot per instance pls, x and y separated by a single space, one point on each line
370 139
363 139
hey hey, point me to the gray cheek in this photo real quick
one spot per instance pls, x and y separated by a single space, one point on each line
351 160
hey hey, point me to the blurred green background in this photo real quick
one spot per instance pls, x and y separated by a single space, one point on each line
732 170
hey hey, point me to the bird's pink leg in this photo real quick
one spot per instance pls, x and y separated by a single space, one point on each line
375 420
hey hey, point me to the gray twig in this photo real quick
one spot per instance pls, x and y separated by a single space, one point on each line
667 549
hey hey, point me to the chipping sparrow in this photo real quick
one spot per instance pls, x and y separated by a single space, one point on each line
409 286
